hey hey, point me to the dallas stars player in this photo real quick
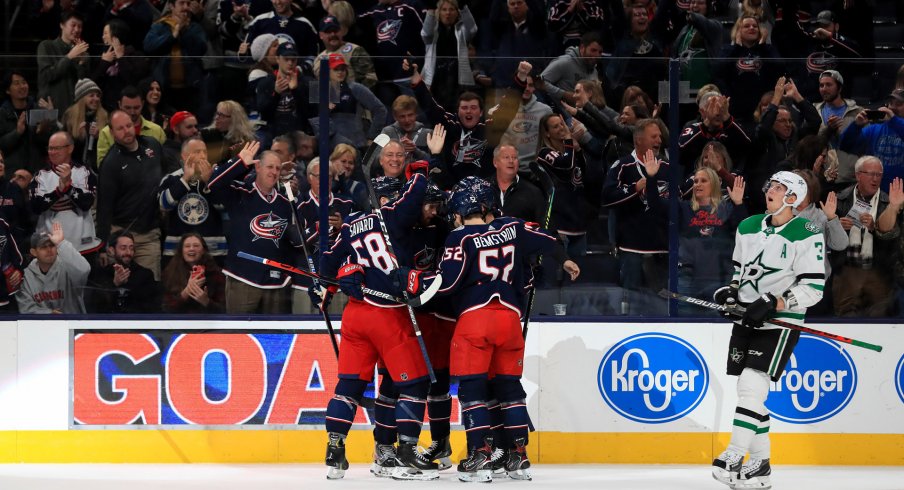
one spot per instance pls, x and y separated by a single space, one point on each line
779 272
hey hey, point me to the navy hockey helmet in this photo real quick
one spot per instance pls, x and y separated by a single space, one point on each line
388 187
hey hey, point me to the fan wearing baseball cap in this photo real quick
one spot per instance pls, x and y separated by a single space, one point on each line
882 139
348 100
282 96
360 66
837 113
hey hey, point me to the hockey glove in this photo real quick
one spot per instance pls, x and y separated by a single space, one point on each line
413 281
419 167
759 310
351 280
321 296
727 296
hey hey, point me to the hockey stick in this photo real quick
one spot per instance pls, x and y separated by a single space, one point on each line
738 311
381 140
307 254
550 188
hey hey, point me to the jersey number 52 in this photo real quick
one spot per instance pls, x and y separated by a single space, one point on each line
492 261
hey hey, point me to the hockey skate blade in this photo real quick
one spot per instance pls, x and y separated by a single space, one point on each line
444 463
382 471
523 474
405 473
724 476
757 482
481 476
335 474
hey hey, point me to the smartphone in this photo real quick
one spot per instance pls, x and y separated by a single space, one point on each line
875 114
197 271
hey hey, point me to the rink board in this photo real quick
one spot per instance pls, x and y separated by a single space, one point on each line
234 391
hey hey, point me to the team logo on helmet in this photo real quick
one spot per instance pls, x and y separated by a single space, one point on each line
269 227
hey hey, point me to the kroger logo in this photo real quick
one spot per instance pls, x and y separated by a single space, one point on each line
819 381
653 378
899 378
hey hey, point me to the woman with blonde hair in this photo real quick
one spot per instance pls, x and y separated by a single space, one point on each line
708 222
228 132
84 120
349 177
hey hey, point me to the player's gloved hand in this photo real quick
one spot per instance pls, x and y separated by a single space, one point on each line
413 281
321 296
726 296
351 280
759 310
419 167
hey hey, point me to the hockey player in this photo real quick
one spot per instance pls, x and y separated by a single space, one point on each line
483 266
374 329
779 273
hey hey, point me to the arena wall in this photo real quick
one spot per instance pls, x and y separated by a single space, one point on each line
255 391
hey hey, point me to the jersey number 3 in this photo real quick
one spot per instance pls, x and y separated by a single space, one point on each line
505 265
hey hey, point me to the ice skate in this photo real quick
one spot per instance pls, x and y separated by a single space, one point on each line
497 462
412 465
517 466
754 474
385 461
478 466
439 451
335 457
727 466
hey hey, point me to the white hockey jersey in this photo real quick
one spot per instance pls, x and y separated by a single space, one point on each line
787 261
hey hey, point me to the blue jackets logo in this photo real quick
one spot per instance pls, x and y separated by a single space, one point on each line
819 381
899 379
653 378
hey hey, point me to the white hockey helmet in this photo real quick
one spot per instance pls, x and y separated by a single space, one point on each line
794 185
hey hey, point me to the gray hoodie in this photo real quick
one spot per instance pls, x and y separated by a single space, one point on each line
524 131
564 72
60 289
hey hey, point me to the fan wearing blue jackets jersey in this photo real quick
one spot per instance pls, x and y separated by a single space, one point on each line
484 268
375 329
261 220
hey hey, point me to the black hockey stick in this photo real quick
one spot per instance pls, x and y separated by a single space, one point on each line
738 312
307 254
381 140
549 187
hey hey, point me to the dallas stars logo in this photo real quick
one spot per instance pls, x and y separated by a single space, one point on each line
755 270
736 355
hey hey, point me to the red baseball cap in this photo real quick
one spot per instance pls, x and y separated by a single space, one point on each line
337 60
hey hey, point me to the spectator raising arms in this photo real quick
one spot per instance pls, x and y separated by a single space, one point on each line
192 281
54 280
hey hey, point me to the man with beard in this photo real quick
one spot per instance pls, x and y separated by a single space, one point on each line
184 126
360 65
123 286
837 114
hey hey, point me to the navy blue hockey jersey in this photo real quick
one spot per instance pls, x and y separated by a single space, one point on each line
361 241
308 214
485 262
398 36
259 225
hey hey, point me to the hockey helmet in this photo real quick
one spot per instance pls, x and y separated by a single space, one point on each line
794 184
388 187
434 194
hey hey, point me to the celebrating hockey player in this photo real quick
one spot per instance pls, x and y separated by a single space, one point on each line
483 265
374 329
779 273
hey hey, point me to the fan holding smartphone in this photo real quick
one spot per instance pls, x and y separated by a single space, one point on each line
880 137
192 281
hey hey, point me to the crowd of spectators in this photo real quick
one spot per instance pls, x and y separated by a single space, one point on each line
161 137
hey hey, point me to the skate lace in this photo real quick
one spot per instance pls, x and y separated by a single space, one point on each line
751 466
421 456
431 449
385 452
498 453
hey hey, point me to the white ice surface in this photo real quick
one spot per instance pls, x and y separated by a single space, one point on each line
310 477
